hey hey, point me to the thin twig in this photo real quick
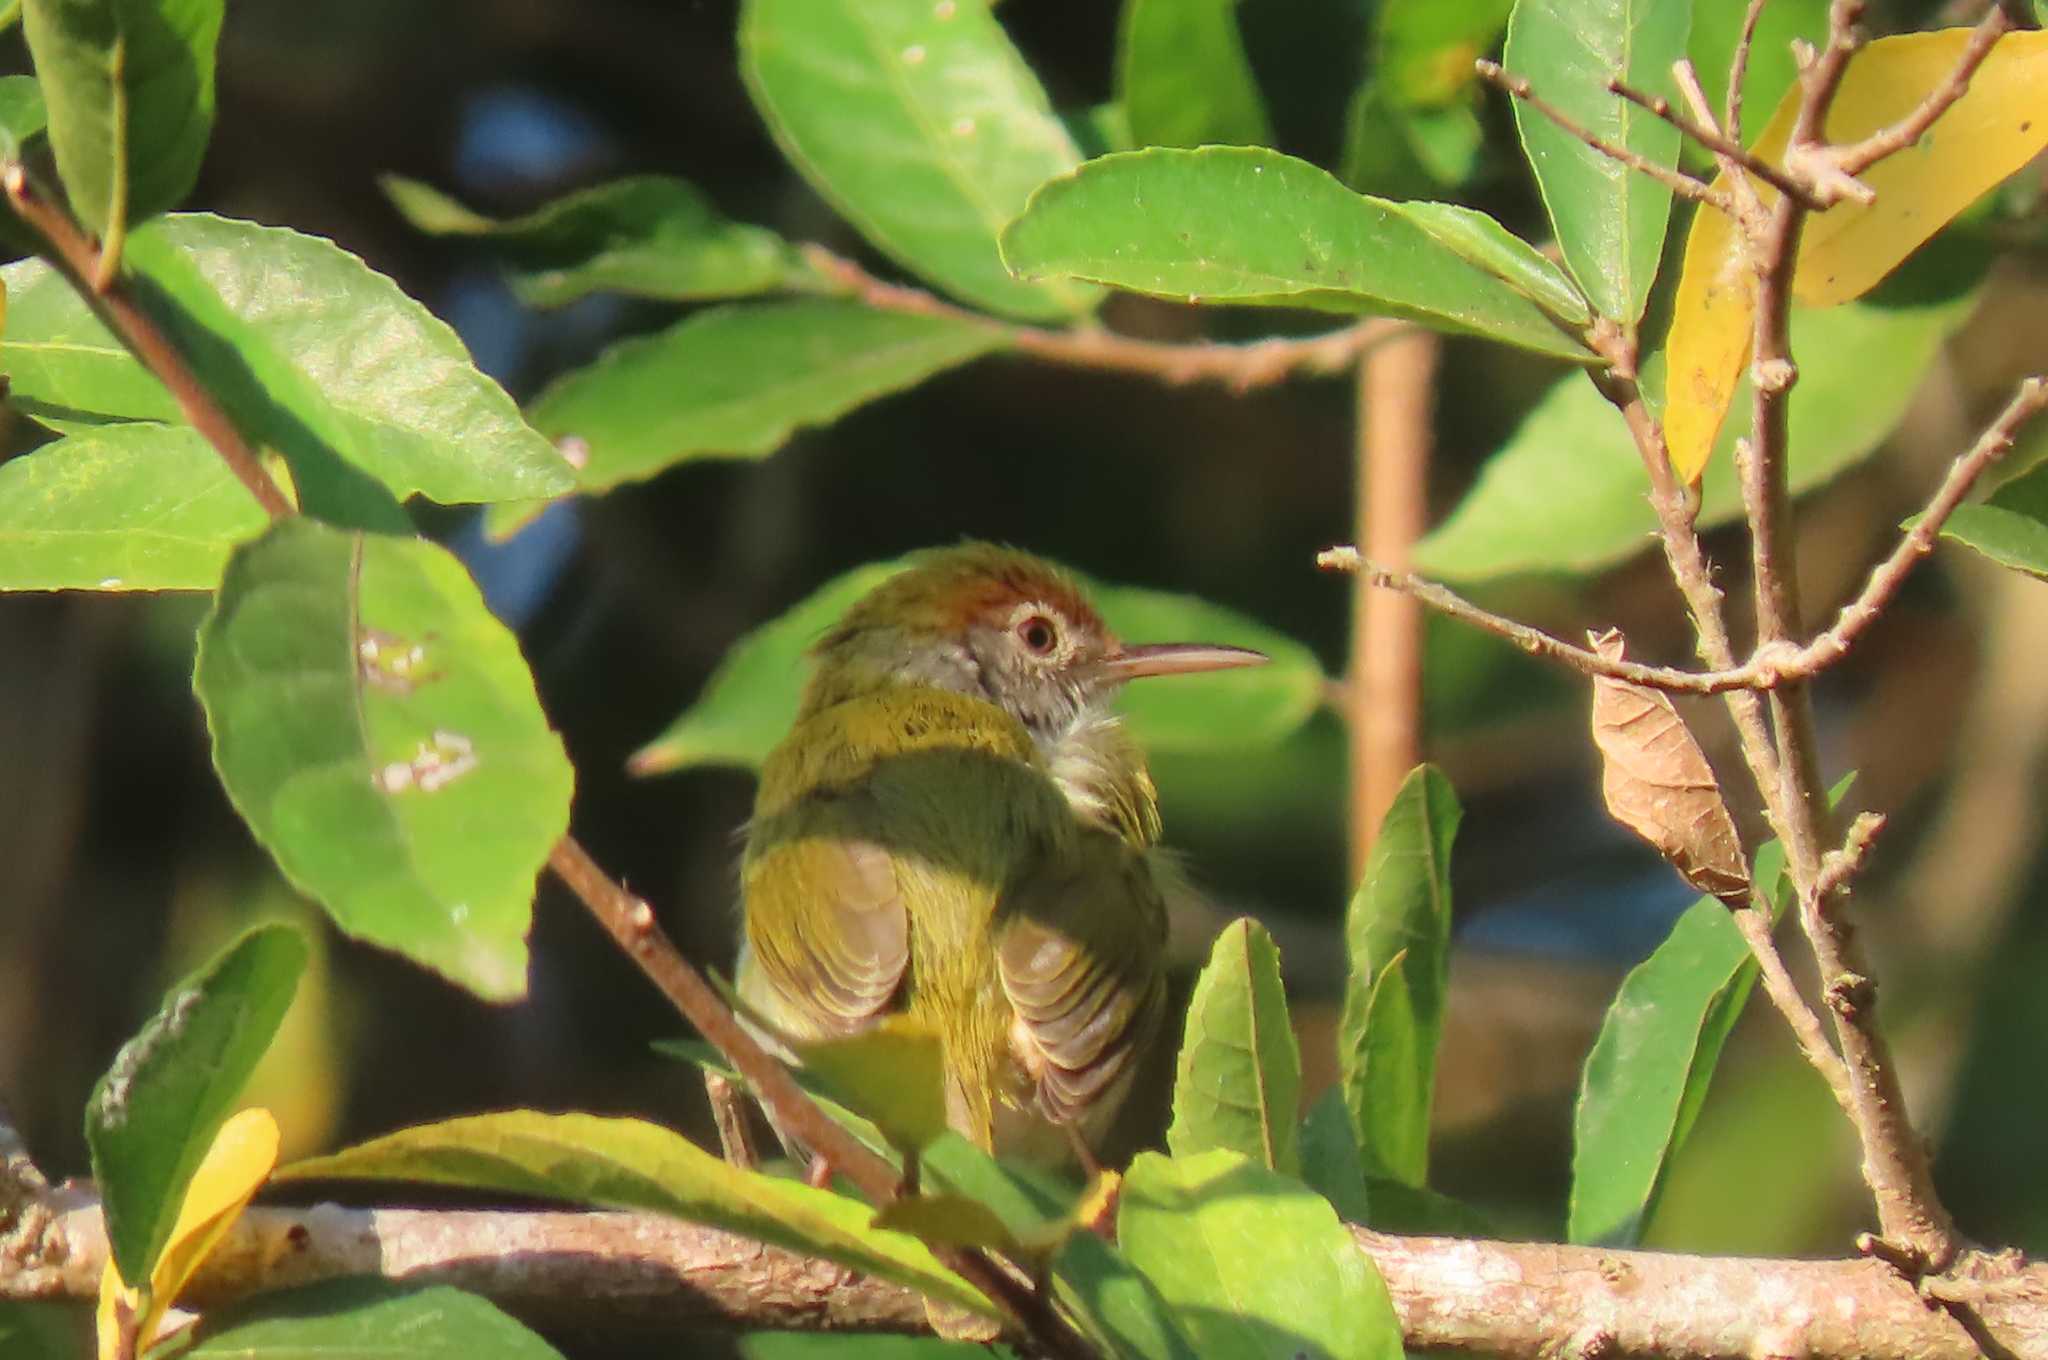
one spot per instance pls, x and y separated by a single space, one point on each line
82 264
1675 180
1895 1160
1690 570
630 921
1714 140
1755 925
1738 72
1238 368
1890 574
1840 866
1537 642
1856 157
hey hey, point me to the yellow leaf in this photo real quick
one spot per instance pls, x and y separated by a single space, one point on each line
1712 318
1999 125
240 1160
1988 134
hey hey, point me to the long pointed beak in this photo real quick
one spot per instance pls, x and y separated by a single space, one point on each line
1178 658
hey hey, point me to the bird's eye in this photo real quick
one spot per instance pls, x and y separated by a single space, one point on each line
1038 635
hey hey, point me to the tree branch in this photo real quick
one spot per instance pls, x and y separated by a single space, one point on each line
1726 150
1396 389
627 1275
629 920
74 255
1239 368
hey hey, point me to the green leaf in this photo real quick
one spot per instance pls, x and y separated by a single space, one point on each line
1650 1067
2010 528
1237 1084
1252 1262
154 1114
22 113
1118 1308
1398 1207
1183 78
378 730
893 1074
1378 156
1610 219
751 699
310 347
921 124
43 1331
130 91
1568 493
737 382
1331 1163
1486 243
365 1319
1398 933
127 507
840 1346
1251 226
630 1164
645 236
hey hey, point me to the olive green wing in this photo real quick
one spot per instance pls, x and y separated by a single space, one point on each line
827 933
1080 948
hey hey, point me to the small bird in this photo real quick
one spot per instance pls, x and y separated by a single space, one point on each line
959 831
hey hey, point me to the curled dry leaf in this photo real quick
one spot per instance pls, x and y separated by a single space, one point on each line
1658 784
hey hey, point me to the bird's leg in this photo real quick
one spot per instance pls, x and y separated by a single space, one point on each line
910 1173
1097 1210
818 1175
729 1112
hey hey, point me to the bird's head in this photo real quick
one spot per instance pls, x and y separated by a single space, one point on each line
1000 625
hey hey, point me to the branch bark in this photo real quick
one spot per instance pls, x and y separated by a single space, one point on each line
638 1274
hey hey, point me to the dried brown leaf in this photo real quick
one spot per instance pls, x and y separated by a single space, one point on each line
1658 784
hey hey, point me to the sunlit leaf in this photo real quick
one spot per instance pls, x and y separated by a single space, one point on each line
1398 933
378 729
1609 218
1251 226
1987 135
1183 78
646 236
1655 1056
894 1074
155 1114
22 112
1253 1262
1572 456
921 124
630 1164
751 699
234 1168
305 344
130 90
123 507
737 382
365 1319
1237 1084
1997 127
